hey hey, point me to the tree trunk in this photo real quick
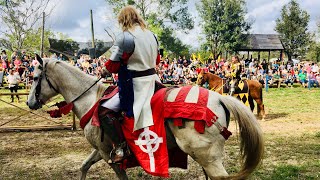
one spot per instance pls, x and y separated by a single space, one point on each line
289 57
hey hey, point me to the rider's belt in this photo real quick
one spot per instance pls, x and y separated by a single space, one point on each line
147 72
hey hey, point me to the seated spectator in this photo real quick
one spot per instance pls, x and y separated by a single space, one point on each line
318 77
313 80
289 80
303 78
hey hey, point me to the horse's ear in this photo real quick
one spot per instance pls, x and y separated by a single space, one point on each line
39 59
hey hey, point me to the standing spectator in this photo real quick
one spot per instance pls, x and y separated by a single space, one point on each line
314 68
3 64
264 65
23 56
13 80
4 57
17 62
14 55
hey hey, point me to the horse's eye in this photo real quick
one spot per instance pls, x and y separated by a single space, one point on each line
35 78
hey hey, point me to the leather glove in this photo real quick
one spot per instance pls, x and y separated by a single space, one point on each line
104 72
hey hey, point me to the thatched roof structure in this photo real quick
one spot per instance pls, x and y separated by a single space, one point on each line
263 42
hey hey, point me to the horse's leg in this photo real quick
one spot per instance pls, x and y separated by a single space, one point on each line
92 159
251 103
206 149
256 93
122 175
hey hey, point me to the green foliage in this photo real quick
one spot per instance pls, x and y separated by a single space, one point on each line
223 24
293 28
32 41
64 44
314 49
172 45
174 11
19 19
155 13
314 52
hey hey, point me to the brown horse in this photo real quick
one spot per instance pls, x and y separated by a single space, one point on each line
216 84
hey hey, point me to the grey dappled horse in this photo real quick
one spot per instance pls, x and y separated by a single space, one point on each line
53 77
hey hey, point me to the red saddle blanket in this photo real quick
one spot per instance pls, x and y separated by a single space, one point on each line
149 144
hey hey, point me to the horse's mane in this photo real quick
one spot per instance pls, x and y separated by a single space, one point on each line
212 75
71 71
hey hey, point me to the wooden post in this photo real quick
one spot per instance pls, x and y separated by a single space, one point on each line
74 126
92 30
42 35
248 55
269 56
259 56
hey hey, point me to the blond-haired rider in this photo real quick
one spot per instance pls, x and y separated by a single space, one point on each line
235 73
134 58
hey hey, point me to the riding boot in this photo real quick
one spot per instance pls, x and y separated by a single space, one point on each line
111 126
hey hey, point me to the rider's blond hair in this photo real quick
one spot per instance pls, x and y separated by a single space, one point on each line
129 17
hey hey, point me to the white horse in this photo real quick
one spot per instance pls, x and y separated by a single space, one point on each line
53 77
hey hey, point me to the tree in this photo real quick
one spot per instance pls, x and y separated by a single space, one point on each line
293 29
160 11
171 44
63 44
163 17
19 18
32 41
223 24
314 49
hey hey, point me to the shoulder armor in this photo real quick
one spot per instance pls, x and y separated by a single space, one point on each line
123 44
125 41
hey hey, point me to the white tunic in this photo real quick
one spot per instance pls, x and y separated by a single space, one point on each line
143 58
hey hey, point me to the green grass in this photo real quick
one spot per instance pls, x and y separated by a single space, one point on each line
291 133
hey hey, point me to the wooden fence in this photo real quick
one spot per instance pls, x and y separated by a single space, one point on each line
56 125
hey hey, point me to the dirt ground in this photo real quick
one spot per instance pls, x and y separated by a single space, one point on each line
291 130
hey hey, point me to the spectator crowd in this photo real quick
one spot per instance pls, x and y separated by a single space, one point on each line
177 70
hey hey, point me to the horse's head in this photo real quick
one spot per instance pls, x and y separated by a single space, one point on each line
202 78
42 88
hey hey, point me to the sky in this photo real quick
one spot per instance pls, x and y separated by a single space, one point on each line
72 17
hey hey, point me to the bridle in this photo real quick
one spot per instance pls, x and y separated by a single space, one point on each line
43 74
38 87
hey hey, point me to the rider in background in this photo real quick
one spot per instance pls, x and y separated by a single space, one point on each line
235 73
134 58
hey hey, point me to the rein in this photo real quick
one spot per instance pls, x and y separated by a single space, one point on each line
63 107
217 90
86 90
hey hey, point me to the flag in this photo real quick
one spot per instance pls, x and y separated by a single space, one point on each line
149 144
193 56
211 56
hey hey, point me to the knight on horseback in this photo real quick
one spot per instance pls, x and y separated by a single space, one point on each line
134 58
235 74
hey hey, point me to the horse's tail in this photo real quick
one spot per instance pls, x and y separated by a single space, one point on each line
251 140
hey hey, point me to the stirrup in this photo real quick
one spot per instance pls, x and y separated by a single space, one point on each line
119 153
